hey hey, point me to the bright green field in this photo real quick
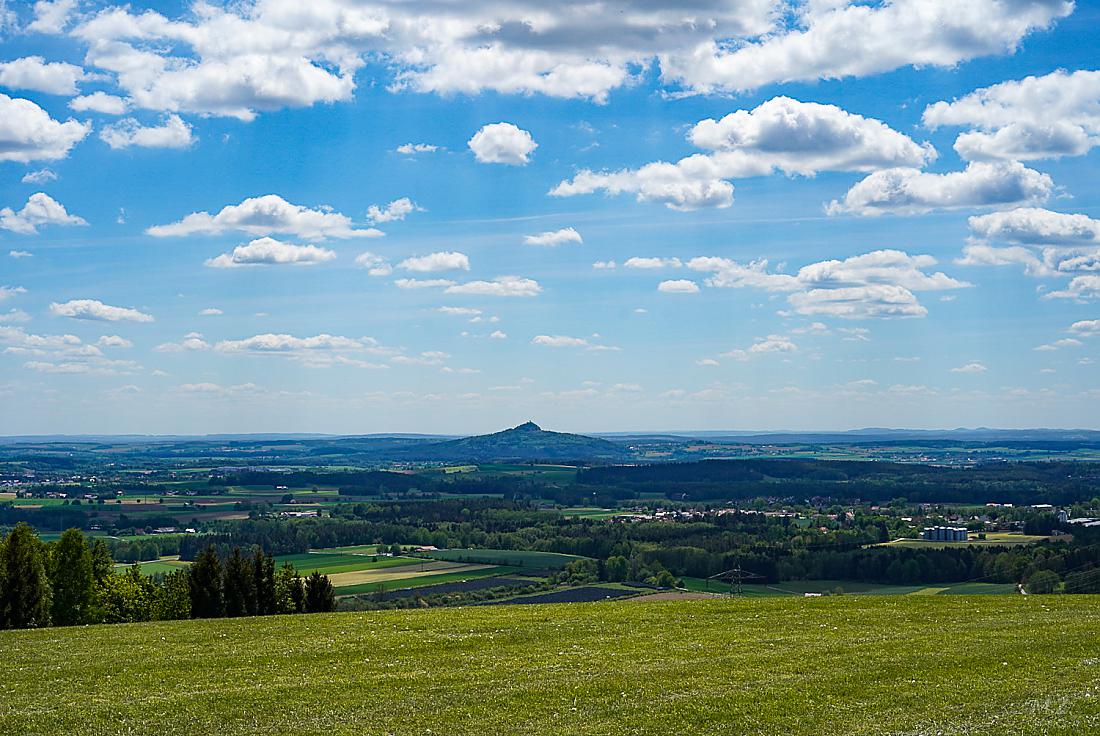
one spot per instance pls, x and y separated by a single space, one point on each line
518 558
420 582
852 666
154 567
330 564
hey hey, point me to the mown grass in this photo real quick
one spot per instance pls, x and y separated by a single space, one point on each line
854 666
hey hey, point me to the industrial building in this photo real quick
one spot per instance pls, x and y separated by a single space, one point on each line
945 534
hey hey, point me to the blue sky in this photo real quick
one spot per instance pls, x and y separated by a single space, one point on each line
188 245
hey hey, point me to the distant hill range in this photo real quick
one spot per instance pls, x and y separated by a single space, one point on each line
527 442
868 435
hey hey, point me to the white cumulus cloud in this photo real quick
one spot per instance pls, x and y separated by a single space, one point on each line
435 262
879 284
554 237
836 39
51 16
911 191
375 264
974 367
271 252
678 286
92 309
100 102
782 134
36 74
173 132
410 149
266 215
398 209
40 209
500 286
502 143
28 133
1042 117
41 176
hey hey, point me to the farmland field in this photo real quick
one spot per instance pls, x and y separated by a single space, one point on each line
391 574
853 666
469 572
463 586
518 558
155 567
582 594
330 564
848 587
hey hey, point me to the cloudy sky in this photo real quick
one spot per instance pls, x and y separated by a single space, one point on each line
429 215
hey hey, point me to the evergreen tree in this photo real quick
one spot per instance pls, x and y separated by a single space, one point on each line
3 584
26 593
263 574
204 582
72 579
240 588
320 595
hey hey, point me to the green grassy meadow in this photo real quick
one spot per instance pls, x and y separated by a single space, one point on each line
854 666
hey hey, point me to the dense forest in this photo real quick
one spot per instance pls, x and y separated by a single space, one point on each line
1057 483
73 581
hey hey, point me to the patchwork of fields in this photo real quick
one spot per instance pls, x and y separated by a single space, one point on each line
352 571
790 588
852 665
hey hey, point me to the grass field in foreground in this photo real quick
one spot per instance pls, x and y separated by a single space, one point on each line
854 666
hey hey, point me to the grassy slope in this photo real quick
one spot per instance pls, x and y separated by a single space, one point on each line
993 665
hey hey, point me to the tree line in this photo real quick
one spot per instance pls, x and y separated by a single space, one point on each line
73 581
775 548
